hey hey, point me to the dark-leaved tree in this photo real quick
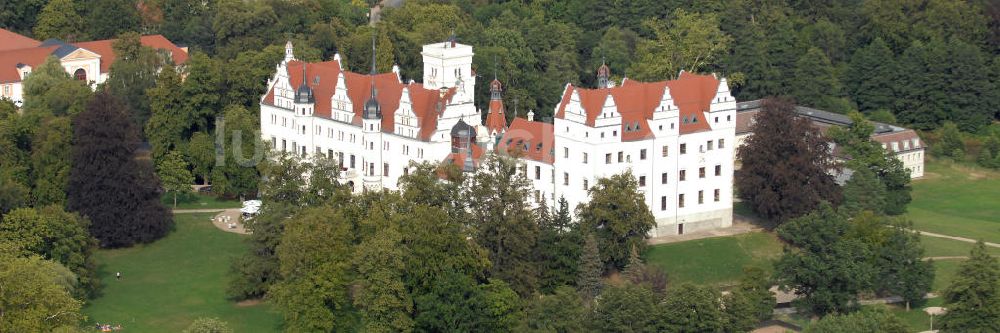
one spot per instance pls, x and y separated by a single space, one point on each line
786 164
108 183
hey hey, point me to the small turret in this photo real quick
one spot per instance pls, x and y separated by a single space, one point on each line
304 94
372 109
603 76
289 52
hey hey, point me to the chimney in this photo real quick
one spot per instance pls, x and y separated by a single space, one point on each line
531 115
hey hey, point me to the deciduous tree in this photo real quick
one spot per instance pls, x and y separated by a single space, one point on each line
690 41
690 308
618 216
56 235
174 174
108 184
35 297
60 19
242 149
877 319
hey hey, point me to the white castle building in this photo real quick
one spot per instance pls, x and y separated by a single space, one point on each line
677 137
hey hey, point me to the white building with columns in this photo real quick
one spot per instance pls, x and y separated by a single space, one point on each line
677 137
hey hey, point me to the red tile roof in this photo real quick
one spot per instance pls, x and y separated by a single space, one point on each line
31 56
636 101
388 89
458 159
10 40
105 49
523 137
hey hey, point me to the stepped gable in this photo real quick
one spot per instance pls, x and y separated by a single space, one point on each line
388 93
532 139
636 101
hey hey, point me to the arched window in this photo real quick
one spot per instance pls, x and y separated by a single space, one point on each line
80 74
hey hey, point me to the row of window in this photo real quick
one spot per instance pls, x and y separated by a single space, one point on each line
609 157
682 176
680 199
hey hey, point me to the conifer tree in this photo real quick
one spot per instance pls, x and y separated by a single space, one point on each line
870 77
863 192
973 298
589 282
814 82
108 184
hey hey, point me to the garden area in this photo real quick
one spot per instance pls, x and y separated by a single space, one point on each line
168 284
957 200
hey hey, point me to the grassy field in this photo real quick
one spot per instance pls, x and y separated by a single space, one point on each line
168 284
715 261
943 247
199 201
957 200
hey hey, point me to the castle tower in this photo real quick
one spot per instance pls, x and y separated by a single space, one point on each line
496 119
603 76
371 123
449 64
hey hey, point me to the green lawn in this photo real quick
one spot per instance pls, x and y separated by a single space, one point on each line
957 200
168 284
714 261
943 247
199 201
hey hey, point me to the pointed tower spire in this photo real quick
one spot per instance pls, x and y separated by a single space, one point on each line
372 108
603 74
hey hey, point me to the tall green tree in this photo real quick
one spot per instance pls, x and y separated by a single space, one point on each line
200 153
315 258
56 235
237 176
202 90
863 192
901 268
870 78
116 191
559 242
133 73
382 298
60 19
973 298
502 221
168 120
750 303
855 141
106 19
618 216
689 41
174 174
785 164
815 82
590 269
50 161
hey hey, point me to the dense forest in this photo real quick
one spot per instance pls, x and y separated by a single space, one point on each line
916 62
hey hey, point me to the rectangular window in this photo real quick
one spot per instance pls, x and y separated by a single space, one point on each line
642 180
682 176
663 203
722 143
565 178
642 154
716 195
274 143
352 161
385 169
701 172
718 170
329 153
701 197
586 184
565 152
711 144
584 158
621 157
538 172
684 148
680 200
371 169
663 178
607 158
665 150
